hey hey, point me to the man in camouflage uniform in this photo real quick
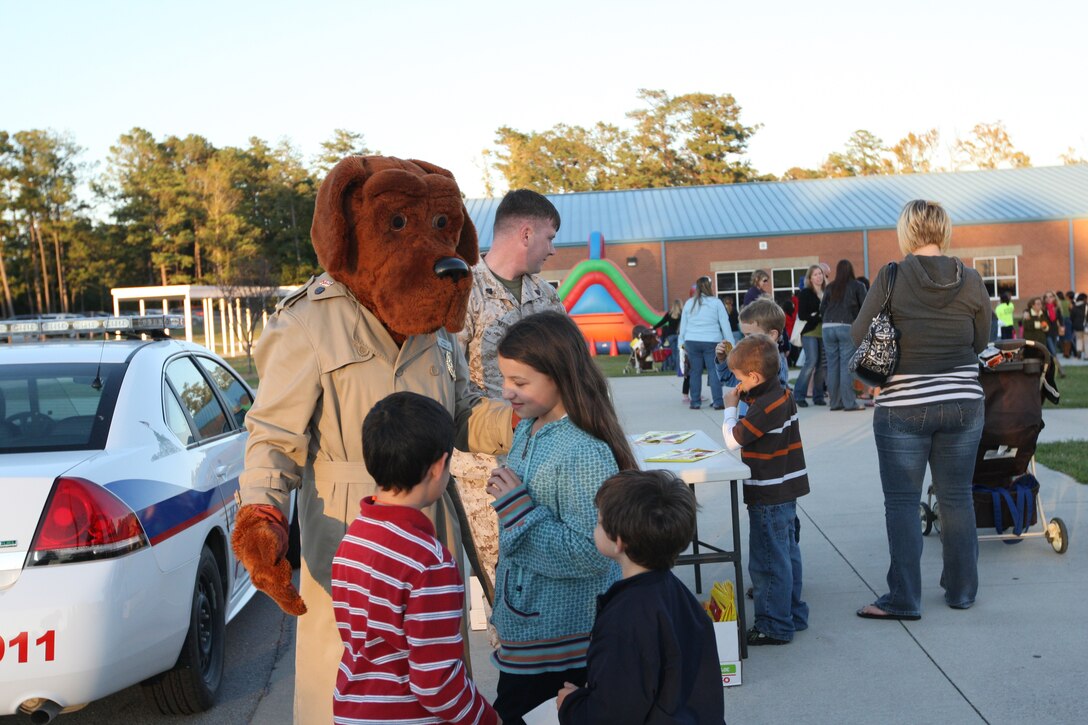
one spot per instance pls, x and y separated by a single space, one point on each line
506 287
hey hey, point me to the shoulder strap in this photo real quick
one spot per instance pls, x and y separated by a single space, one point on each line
892 268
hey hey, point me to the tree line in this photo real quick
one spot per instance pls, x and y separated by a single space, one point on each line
698 138
181 211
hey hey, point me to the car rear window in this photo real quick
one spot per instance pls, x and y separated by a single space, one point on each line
57 406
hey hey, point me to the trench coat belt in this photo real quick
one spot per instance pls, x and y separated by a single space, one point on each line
341 472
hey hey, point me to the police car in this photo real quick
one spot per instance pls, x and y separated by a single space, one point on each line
119 460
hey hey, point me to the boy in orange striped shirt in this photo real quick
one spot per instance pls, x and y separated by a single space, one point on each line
770 442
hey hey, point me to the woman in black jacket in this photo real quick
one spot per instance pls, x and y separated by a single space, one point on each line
808 314
839 308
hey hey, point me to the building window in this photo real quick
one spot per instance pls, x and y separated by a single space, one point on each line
733 285
785 282
999 274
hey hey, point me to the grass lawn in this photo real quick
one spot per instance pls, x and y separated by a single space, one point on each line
1069 457
1073 387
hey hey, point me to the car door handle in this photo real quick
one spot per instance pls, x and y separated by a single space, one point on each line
221 471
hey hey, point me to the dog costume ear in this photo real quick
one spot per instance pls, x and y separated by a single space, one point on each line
468 244
332 234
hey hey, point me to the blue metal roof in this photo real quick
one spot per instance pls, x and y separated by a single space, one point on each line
807 207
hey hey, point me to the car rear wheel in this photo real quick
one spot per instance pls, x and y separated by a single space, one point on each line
192 685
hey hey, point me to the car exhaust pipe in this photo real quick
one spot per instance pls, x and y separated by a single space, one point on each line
44 712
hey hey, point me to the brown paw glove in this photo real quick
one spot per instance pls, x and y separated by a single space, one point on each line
260 542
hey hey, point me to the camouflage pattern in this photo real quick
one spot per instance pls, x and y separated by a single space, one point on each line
491 312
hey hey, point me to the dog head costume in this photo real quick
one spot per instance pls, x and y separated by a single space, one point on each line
396 234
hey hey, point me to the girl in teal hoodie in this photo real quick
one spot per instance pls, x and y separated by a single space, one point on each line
549 573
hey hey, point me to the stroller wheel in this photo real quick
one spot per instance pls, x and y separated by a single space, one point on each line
925 516
1058 535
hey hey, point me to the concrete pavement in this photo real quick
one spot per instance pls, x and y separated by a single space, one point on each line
1017 656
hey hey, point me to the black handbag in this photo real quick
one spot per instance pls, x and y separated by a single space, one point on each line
878 355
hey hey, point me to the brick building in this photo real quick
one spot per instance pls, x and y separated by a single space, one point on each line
1025 230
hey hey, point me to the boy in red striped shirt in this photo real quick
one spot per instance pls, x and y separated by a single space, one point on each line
396 591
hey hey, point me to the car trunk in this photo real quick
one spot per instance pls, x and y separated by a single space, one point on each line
25 483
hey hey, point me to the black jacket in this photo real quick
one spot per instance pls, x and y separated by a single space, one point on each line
652 658
808 309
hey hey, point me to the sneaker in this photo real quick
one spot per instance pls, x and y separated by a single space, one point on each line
819 402
756 638
801 403
684 399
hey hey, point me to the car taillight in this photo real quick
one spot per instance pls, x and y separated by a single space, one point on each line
83 521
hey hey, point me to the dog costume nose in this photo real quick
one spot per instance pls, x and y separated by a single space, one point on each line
452 267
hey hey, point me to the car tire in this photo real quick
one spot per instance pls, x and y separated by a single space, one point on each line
193 684
294 541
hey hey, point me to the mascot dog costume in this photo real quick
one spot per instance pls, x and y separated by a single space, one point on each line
396 245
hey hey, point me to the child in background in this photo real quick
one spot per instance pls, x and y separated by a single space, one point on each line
770 443
762 316
396 591
652 657
549 572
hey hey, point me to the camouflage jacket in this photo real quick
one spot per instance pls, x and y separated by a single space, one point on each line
491 312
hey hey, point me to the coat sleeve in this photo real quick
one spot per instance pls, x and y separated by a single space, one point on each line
562 541
984 313
685 315
481 425
723 324
623 678
432 628
279 421
870 306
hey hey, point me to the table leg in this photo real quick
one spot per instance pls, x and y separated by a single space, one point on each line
695 549
738 572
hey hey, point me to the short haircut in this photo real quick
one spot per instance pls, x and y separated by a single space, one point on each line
652 512
759 275
764 313
403 435
525 204
923 222
755 353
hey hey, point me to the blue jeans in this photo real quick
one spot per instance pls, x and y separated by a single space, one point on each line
945 436
811 370
839 347
700 356
774 566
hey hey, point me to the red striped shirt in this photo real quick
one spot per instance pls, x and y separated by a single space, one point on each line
398 597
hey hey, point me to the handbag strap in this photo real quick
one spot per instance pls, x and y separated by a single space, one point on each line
892 268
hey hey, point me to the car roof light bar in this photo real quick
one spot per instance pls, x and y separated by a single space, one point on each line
122 323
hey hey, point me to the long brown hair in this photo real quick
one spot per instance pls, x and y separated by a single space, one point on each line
844 275
552 344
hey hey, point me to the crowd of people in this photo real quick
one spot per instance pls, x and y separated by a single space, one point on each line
585 608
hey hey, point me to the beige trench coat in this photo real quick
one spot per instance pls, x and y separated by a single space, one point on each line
324 360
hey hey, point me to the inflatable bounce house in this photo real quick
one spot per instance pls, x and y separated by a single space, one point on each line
604 303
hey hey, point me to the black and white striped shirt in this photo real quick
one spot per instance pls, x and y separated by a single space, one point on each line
960 383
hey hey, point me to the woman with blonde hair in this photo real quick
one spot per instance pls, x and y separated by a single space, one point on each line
930 412
703 324
812 344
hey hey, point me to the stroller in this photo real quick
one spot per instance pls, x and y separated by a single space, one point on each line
1015 382
643 343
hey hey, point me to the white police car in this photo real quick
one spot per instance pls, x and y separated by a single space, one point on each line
119 461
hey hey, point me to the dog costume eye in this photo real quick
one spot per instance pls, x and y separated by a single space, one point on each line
398 222
440 221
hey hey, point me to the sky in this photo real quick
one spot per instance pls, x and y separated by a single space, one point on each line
434 80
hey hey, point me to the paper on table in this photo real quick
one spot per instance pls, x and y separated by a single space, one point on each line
664 436
683 455
546 713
